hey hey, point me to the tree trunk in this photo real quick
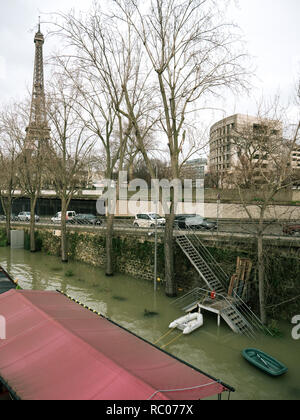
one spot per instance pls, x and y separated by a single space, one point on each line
6 205
109 245
64 238
8 224
130 171
261 279
32 224
171 287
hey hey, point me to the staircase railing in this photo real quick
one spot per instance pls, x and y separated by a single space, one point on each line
193 296
192 253
203 251
200 295
243 309
245 316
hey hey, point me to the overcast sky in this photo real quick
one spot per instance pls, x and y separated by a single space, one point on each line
271 29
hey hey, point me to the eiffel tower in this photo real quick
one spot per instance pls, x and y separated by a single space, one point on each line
37 131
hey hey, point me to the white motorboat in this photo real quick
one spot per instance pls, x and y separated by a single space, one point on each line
188 323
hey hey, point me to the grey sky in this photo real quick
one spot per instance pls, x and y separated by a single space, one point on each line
271 28
272 31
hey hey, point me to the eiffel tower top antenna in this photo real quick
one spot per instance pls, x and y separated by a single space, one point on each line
37 130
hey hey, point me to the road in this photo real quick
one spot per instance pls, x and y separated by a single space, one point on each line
234 228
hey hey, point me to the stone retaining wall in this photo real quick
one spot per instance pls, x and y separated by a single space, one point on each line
134 256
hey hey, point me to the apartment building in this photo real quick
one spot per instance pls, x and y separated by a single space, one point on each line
195 169
296 158
228 142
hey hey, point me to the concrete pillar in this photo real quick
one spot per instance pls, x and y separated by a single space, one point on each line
17 239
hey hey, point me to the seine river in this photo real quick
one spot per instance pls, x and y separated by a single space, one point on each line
124 299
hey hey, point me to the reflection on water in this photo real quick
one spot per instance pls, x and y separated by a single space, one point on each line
129 301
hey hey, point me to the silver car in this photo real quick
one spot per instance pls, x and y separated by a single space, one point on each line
70 216
25 216
148 220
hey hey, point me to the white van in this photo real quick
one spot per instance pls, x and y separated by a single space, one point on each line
69 216
148 220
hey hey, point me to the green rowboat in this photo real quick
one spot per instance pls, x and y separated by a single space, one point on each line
264 362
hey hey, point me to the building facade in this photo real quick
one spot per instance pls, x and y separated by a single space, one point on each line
296 158
240 136
195 169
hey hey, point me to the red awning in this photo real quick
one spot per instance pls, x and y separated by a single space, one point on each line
55 349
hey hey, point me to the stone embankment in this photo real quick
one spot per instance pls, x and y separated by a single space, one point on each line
134 255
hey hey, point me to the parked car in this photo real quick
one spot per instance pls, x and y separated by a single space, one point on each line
181 217
13 217
25 216
196 223
293 230
86 219
148 220
69 216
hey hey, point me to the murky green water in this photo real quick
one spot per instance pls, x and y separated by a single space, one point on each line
124 300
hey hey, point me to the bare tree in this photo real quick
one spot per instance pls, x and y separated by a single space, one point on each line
153 64
69 148
10 134
94 52
31 163
190 51
263 168
101 118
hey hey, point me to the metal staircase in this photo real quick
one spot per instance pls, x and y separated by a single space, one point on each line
238 321
233 309
233 317
200 264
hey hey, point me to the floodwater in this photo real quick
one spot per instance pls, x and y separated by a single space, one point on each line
124 299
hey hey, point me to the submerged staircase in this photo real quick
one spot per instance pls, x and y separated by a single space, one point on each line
233 309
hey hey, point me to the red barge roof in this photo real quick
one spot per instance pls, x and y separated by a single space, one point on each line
57 350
